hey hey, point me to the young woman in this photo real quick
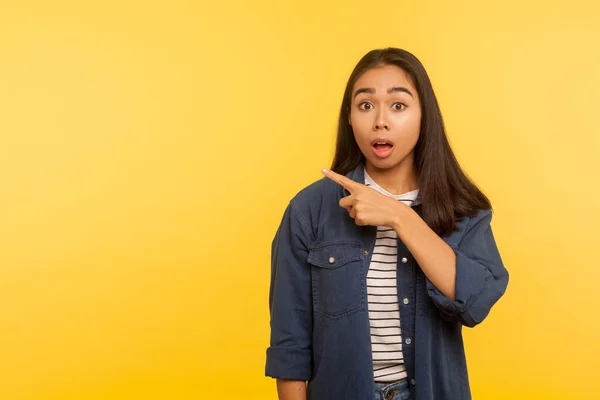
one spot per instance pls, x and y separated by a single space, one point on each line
377 266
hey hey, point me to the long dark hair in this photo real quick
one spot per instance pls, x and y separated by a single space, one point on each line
447 194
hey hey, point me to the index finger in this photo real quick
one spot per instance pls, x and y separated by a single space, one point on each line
349 184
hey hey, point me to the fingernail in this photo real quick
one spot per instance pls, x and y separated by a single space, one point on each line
325 170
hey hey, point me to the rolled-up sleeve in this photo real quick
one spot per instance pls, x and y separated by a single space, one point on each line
481 278
289 355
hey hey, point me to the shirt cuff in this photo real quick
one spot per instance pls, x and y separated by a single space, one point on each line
288 363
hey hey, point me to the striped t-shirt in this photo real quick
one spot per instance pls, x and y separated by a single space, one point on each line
382 293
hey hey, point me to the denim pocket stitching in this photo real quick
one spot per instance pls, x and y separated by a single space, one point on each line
319 259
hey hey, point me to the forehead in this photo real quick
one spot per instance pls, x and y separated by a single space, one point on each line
384 77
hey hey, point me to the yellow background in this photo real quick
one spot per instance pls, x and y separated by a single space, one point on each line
148 149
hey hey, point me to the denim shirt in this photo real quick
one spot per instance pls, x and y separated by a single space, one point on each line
318 301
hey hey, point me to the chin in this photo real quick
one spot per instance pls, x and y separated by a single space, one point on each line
384 164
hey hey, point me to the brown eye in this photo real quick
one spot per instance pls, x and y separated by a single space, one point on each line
365 106
398 106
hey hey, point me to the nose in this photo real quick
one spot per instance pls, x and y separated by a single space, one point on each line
381 125
381 122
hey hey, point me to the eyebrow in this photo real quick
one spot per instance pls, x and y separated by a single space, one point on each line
390 90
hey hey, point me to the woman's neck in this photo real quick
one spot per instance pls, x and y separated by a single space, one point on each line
399 179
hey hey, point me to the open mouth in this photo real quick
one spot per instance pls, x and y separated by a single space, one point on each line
382 147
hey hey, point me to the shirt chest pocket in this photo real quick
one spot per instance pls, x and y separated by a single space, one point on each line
338 284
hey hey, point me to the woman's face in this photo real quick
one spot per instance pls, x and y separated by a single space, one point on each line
385 114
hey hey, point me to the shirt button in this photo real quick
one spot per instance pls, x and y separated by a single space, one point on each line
404 260
331 260
366 253
405 301
413 382
408 341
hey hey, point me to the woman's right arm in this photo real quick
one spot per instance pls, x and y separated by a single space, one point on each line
289 356
291 390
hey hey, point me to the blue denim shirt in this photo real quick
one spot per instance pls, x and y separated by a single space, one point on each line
319 311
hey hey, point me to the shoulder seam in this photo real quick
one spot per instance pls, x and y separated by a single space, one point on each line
301 218
469 225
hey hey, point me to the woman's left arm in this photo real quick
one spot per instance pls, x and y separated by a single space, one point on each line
434 256
464 280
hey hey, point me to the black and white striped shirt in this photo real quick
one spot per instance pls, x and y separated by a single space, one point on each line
382 292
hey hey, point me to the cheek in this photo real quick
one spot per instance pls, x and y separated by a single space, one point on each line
409 127
362 129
